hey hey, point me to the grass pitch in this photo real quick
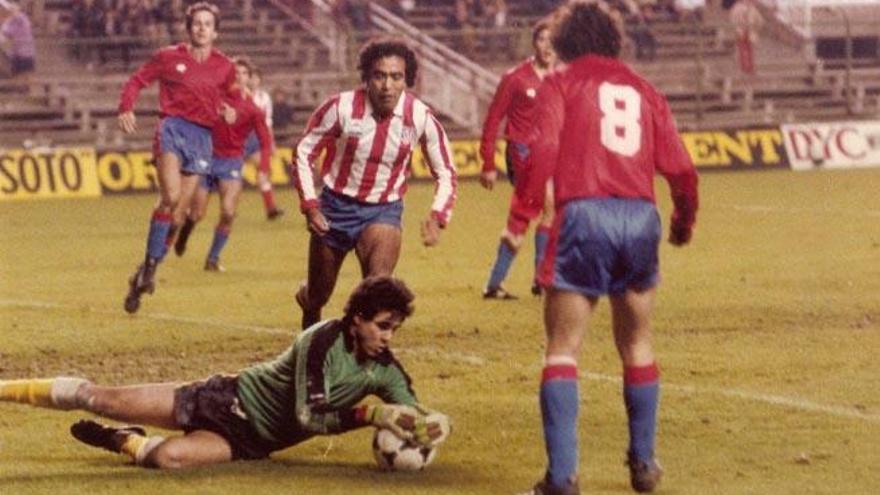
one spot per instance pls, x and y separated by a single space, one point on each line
767 330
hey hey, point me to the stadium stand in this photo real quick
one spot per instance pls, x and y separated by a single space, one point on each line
72 99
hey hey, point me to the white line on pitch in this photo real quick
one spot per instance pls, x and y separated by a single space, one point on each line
777 209
778 400
152 316
474 360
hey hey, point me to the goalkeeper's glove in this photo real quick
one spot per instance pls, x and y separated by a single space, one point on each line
431 428
398 418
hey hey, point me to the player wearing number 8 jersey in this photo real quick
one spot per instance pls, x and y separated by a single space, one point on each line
601 133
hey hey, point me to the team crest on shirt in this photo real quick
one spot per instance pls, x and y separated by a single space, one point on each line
531 92
407 136
181 67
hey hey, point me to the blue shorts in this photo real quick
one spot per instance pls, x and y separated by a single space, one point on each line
251 145
349 217
190 142
603 246
221 169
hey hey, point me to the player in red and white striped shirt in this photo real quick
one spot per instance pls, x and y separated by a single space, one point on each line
367 136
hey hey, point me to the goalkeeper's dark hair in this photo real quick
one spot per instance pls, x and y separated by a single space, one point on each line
388 47
376 294
582 28
202 6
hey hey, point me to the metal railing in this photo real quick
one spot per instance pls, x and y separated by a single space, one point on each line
323 25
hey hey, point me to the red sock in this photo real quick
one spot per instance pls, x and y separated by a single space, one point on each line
268 197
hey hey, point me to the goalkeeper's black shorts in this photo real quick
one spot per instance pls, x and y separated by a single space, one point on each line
213 405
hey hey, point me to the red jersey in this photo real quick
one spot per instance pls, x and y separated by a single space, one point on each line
188 89
229 139
514 99
602 131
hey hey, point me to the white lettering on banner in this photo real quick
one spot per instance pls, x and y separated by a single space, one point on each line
832 145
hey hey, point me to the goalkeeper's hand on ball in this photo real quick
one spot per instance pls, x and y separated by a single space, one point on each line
398 418
432 427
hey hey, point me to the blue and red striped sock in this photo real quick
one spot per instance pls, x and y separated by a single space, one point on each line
559 411
160 225
221 235
641 393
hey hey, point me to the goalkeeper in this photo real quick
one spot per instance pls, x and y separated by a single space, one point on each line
313 388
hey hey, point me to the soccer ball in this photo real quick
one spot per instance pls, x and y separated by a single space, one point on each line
393 453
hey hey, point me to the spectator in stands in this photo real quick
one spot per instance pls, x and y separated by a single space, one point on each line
171 14
401 8
691 10
638 19
746 20
542 7
665 9
16 30
462 19
87 24
498 13
358 12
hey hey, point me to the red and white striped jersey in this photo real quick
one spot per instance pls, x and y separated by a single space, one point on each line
368 159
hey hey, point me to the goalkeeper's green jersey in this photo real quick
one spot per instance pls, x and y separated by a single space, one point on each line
312 387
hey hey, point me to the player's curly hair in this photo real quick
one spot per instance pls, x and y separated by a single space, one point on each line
376 294
199 6
582 28
387 47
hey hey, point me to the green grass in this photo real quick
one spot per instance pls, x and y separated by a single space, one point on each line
767 330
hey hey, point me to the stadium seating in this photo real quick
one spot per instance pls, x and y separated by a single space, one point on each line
70 101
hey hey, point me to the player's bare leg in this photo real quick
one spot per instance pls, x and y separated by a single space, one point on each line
542 234
197 210
230 193
324 265
148 404
170 187
631 314
145 404
193 449
378 249
566 316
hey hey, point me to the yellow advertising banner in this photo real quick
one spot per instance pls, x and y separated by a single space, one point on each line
55 173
